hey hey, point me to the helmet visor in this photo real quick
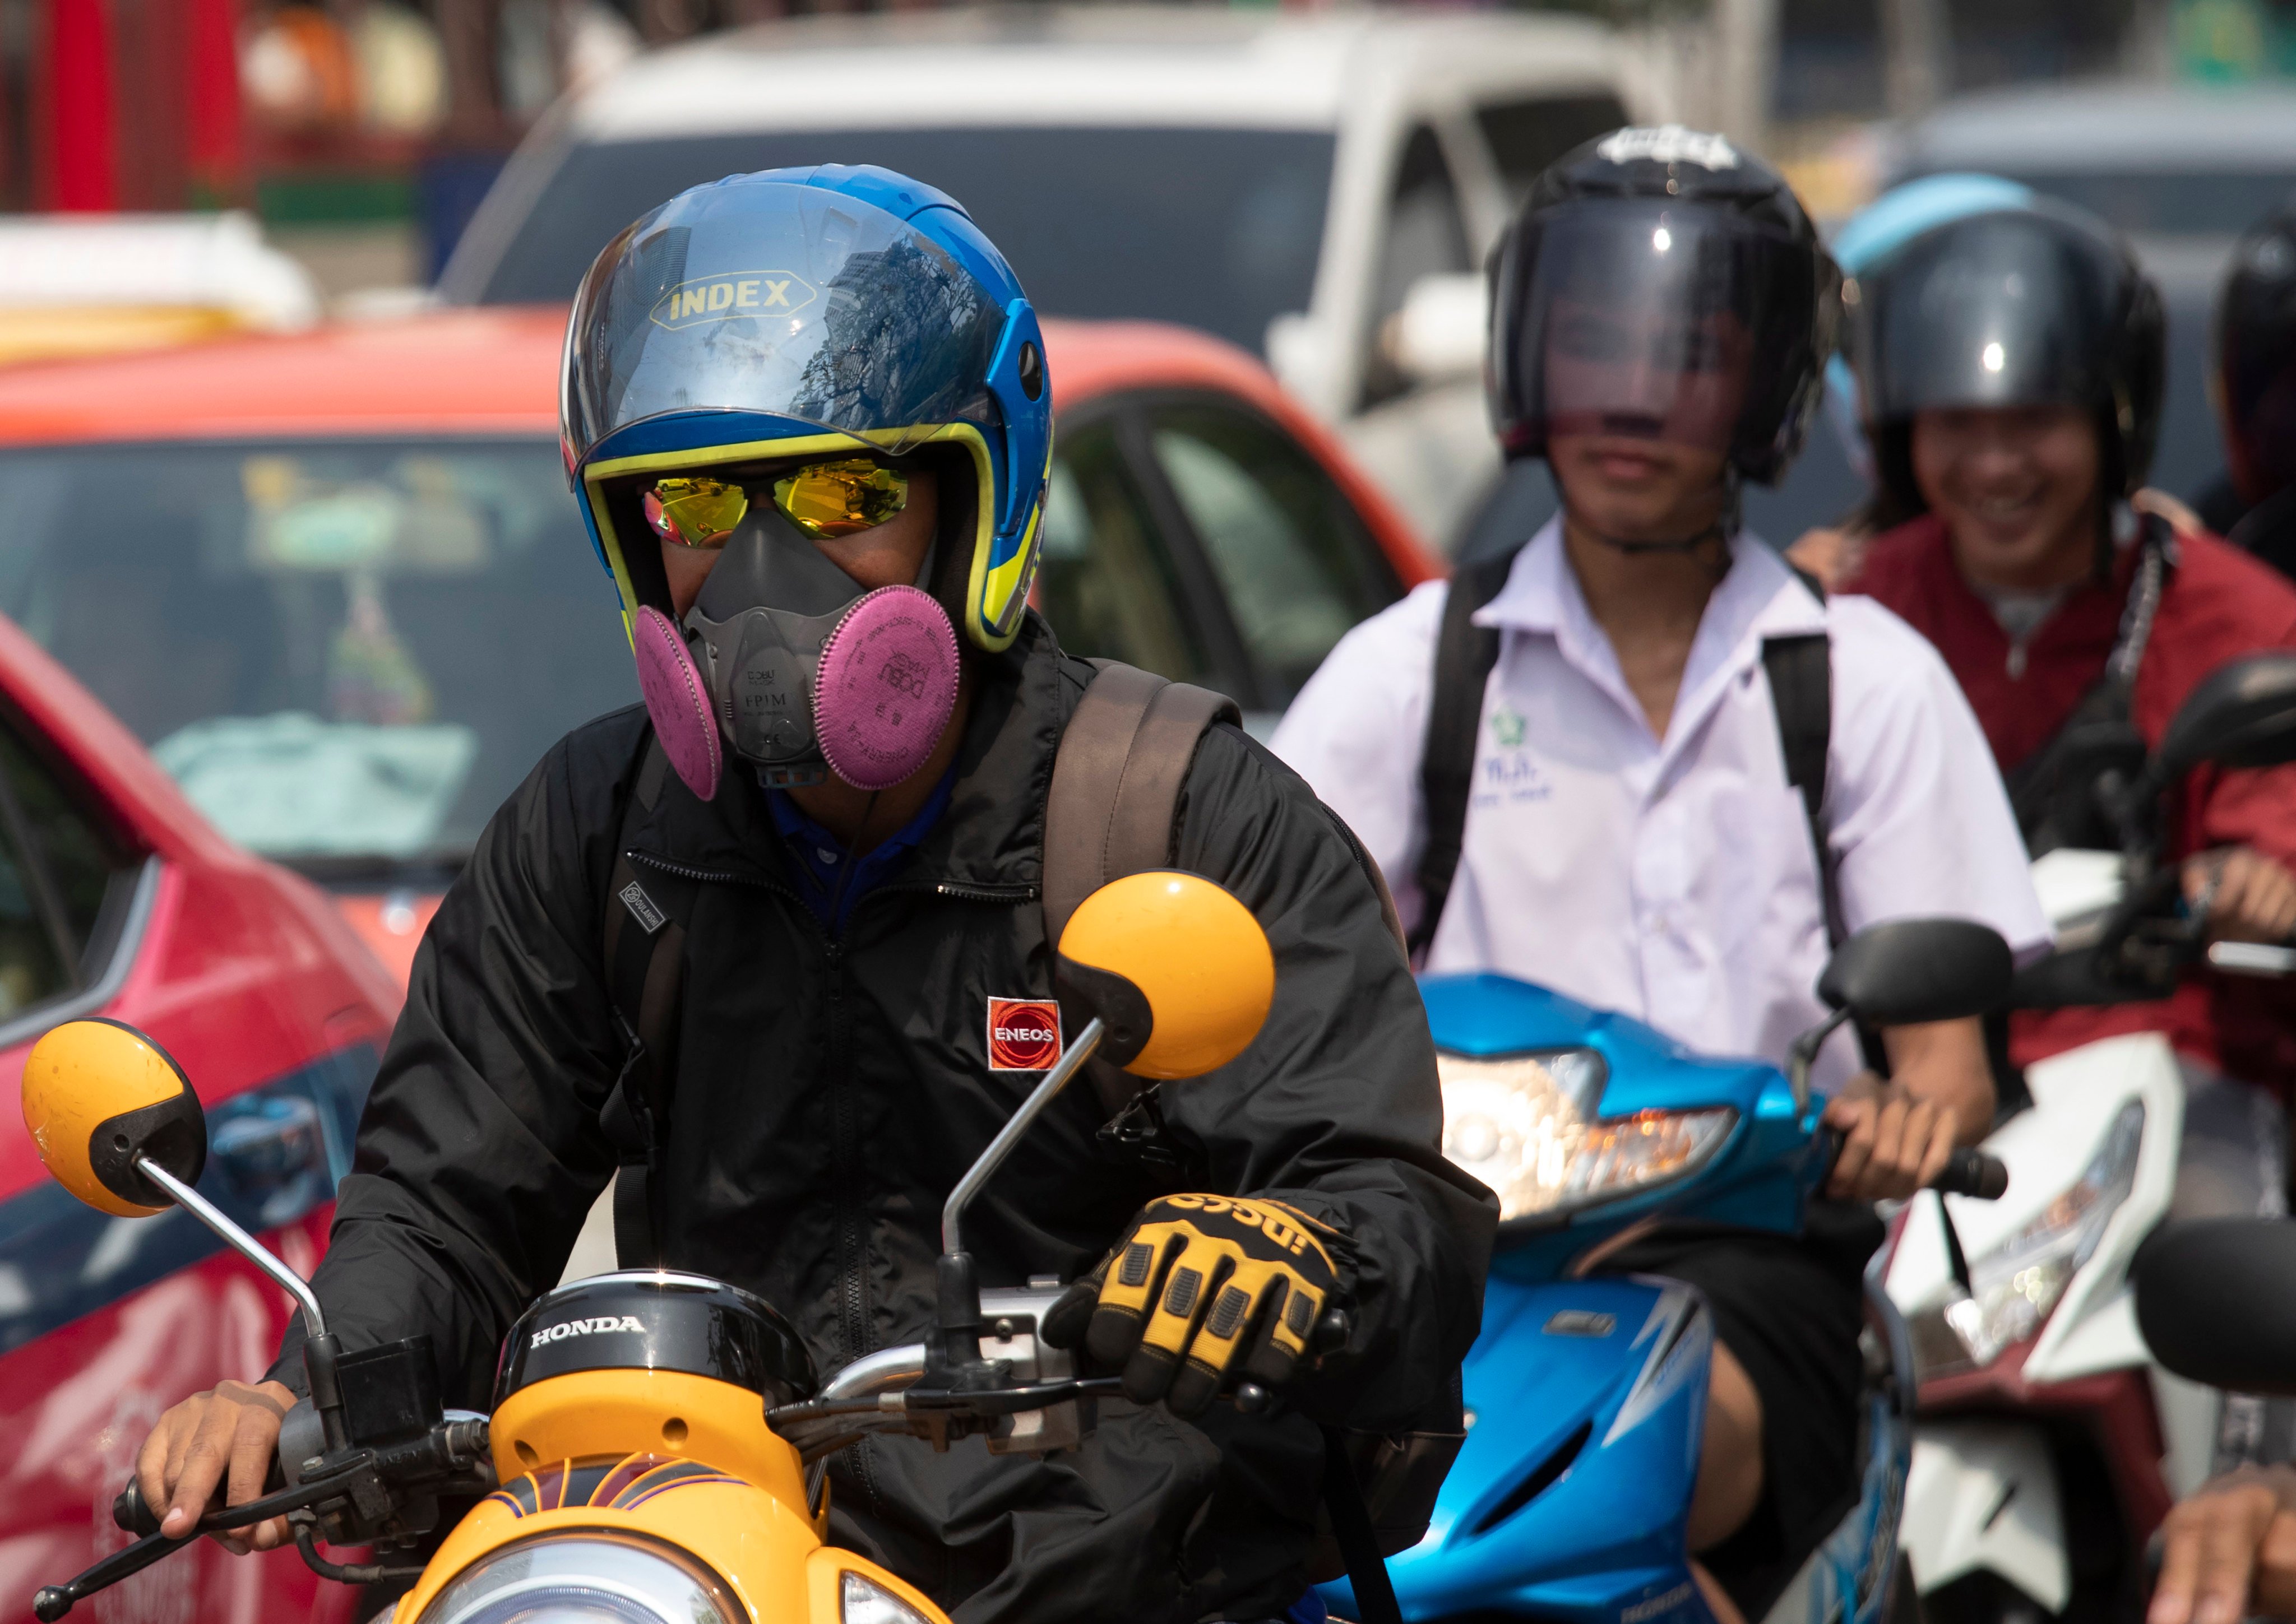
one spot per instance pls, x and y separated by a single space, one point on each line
2007 309
1658 321
761 297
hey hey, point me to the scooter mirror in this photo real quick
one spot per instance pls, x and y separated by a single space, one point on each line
2242 715
1176 968
98 1097
1912 970
2214 1303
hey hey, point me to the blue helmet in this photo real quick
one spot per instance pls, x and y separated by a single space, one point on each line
1880 229
806 311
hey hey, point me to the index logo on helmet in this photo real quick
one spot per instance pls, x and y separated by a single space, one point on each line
1670 143
737 293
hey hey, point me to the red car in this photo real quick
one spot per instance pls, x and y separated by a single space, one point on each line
117 898
338 584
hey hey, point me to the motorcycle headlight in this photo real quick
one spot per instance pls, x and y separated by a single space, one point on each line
861 1600
590 1578
1526 1126
2014 1287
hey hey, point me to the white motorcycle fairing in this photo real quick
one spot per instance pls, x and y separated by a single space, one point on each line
1983 1496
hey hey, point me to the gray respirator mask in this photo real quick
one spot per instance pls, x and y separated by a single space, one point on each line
796 669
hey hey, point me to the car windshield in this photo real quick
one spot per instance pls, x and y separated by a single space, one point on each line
348 653
2167 203
1217 229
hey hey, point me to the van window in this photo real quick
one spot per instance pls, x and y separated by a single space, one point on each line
1216 228
1426 236
1525 136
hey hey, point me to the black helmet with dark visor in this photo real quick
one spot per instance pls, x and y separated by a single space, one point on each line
1662 284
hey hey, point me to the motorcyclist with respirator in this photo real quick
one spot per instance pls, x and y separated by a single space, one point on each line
2009 365
1638 762
808 417
2253 378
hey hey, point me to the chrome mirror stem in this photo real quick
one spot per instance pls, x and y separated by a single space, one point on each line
1073 1058
239 1241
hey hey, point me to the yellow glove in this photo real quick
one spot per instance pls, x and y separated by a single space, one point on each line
1205 1291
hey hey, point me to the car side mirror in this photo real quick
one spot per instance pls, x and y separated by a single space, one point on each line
1909 971
2214 1303
1176 969
105 1104
2242 715
1438 334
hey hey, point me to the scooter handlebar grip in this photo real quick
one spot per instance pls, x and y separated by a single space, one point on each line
130 1513
1973 1173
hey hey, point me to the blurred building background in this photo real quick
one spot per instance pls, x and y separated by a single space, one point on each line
362 132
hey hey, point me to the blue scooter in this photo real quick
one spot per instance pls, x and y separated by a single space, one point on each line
1585 1396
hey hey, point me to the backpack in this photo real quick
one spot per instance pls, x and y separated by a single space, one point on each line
1800 669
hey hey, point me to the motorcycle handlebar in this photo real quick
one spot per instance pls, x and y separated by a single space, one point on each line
1973 1173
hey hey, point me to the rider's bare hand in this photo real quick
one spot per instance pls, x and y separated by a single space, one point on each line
214 1449
2230 1551
2250 897
1893 1141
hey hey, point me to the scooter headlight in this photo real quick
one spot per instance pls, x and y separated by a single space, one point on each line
1526 1126
861 1600
2016 1286
593 1578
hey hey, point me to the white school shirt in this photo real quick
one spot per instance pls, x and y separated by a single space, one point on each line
1672 879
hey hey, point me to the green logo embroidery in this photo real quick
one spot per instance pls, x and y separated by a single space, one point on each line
1506 727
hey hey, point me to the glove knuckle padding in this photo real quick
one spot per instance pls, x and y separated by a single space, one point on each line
1212 1287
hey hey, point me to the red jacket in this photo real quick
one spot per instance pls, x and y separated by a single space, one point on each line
2219 603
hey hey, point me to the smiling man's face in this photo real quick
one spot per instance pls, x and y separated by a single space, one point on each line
1640 417
2017 489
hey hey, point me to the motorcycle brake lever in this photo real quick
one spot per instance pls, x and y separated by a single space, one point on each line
55 1600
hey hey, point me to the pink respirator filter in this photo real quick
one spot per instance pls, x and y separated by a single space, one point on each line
886 687
677 701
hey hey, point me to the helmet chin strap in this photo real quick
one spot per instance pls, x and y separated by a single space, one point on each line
1689 544
1723 527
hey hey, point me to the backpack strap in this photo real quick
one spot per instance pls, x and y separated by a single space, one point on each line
1465 656
1800 669
1114 803
2054 791
644 960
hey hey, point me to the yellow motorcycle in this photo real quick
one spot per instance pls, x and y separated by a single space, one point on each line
657 1449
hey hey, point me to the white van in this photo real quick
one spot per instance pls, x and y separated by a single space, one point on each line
1290 181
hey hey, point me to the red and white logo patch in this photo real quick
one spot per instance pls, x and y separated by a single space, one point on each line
1024 1034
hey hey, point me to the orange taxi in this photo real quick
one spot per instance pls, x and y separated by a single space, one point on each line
338 585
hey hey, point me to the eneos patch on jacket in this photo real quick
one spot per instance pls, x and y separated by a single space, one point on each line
1024 1034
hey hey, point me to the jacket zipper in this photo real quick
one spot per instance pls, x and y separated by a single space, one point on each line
715 876
964 890
852 1226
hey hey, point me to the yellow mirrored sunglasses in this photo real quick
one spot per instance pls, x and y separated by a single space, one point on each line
825 500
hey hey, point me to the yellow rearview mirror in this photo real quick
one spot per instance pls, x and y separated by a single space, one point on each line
99 1096
1177 969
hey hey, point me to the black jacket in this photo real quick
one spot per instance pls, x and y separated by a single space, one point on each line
831 1092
